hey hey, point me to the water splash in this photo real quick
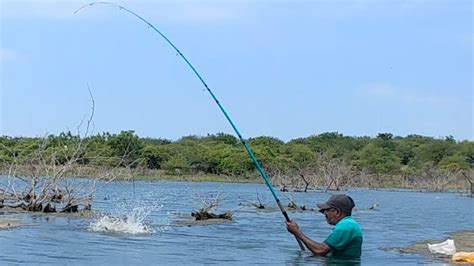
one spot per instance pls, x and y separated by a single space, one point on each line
130 223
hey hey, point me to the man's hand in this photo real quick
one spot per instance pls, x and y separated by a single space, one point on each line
320 249
293 227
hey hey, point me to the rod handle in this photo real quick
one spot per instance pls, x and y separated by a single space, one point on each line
287 218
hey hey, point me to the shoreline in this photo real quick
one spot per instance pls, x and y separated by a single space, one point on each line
463 240
254 180
390 183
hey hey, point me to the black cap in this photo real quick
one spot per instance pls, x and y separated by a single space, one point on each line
339 201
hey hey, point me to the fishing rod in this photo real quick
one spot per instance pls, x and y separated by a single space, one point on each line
247 148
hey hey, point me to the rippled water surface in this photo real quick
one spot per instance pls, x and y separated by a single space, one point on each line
253 237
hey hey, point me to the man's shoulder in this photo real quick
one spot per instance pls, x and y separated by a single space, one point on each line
347 219
348 223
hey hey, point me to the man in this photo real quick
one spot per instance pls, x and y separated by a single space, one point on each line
345 241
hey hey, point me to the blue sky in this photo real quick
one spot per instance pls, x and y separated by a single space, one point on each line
286 69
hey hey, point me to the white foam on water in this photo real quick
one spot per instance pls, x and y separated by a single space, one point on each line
130 223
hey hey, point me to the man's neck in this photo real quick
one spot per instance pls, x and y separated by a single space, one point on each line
342 218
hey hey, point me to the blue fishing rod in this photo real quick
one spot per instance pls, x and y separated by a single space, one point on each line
247 148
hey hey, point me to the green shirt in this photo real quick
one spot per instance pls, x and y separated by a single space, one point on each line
345 239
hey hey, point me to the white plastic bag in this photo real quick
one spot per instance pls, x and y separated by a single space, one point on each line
447 247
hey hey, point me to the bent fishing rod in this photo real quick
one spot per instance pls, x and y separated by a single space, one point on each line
247 148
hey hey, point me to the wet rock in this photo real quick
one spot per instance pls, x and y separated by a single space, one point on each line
463 240
7 224
203 215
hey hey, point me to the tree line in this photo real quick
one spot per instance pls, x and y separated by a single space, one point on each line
223 154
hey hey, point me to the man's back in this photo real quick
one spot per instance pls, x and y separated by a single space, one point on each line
345 239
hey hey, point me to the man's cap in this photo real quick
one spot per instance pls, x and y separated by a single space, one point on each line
339 201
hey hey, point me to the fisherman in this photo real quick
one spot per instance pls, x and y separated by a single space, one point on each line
345 240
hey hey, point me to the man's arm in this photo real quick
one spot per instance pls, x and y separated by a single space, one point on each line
320 249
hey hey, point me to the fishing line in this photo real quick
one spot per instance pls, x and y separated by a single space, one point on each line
247 148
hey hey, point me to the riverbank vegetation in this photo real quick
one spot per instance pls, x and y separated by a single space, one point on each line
329 160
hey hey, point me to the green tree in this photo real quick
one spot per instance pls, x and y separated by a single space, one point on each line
177 164
127 146
466 149
454 162
155 155
433 152
377 159
299 154
230 160
222 138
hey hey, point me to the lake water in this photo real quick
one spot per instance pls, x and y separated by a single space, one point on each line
253 237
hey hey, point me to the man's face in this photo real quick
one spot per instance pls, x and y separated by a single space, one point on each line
332 215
